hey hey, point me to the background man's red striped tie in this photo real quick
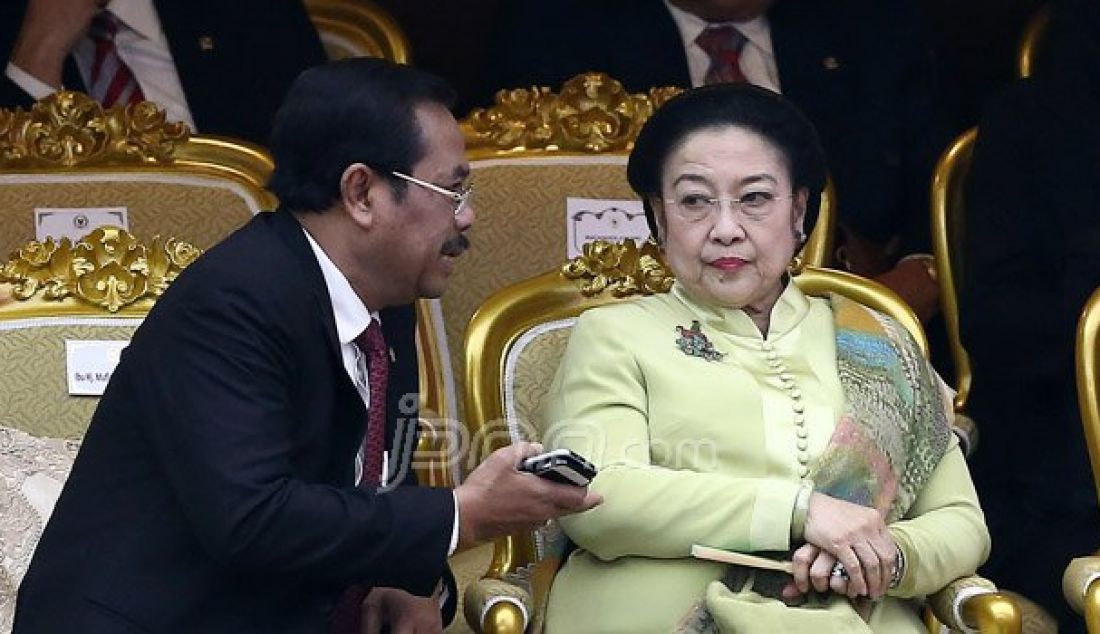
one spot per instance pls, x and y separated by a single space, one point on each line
112 82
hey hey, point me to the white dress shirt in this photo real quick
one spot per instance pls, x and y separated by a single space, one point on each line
142 46
757 57
352 318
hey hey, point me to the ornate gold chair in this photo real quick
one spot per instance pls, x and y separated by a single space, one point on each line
948 234
357 28
528 153
1080 582
51 295
514 344
68 152
1031 42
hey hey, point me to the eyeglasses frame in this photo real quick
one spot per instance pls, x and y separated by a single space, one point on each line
461 197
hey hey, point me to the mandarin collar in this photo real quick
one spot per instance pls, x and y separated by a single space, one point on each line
787 313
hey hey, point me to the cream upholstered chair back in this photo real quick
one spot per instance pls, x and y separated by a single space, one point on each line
53 296
357 28
68 152
514 345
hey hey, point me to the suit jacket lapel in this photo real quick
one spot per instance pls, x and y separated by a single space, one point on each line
292 234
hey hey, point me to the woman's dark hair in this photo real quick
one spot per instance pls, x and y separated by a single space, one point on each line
356 110
724 105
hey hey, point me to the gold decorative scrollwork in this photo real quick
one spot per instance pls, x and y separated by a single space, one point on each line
592 113
622 267
108 267
69 128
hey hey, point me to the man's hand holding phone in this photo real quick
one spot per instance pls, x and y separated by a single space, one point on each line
499 498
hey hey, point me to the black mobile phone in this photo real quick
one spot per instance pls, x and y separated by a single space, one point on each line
560 465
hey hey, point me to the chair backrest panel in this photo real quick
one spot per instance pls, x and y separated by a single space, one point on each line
521 227
202 208
35 396
532 362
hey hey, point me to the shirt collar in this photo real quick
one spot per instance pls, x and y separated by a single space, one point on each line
755 30
140 16
352 315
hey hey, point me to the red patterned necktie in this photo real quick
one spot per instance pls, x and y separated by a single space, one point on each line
372 343
111 82
347 615
723 44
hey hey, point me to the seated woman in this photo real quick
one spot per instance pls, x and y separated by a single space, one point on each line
738 413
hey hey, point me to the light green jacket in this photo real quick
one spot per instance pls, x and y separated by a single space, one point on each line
693 451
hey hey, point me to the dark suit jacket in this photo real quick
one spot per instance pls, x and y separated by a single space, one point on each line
859 69
234 89
214 490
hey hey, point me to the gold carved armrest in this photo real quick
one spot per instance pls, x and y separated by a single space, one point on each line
498 606
1082 590
973 604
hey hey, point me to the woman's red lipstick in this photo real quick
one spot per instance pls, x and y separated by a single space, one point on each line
728 264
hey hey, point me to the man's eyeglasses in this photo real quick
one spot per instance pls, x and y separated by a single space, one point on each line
460 197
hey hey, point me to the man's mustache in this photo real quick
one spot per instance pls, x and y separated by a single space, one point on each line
456 245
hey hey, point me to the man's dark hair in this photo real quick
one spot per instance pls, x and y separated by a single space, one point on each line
356 110
724 105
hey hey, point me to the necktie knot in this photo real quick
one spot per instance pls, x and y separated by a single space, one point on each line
372 342
719 40
104 26
723 45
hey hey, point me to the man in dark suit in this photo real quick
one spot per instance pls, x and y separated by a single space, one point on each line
230 480
858 68
221 66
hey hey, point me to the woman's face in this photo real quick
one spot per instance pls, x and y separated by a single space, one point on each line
731 254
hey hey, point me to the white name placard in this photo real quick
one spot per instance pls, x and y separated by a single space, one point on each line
89 365
75 223
588 219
